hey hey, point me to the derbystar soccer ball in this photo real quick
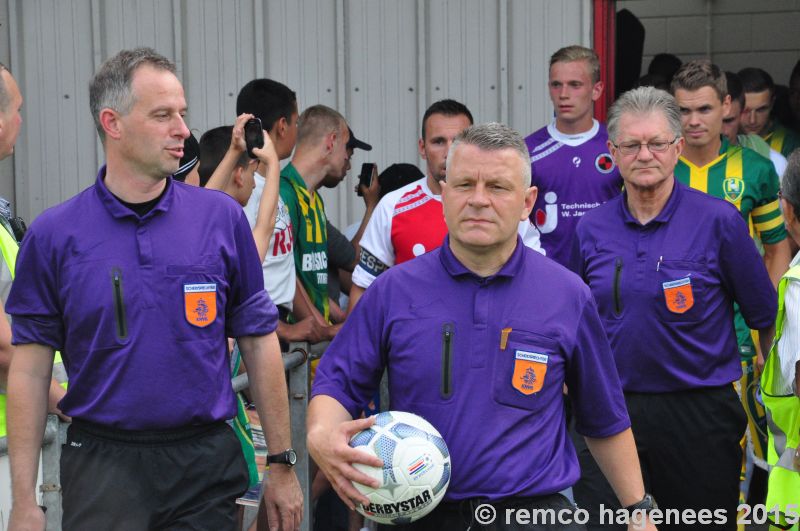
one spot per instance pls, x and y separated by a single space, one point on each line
416 468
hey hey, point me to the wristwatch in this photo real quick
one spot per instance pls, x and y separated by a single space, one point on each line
647 504
287 457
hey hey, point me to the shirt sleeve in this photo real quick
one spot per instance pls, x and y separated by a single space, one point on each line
351 369
287 195
250 311
576 262
377 251
33 301
592 379
341 252
767 217
743 273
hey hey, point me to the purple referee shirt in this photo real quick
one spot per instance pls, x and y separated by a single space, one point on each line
665 290
141 307
497 402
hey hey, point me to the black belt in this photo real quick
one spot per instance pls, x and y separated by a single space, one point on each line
466 507
170 435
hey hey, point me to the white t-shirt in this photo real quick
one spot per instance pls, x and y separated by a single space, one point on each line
789 343
406 223
779 161
278 266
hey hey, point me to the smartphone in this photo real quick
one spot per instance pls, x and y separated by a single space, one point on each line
365 179
253 136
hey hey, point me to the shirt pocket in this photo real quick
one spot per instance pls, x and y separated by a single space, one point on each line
195 299
680 290
98 303
427 348
528 372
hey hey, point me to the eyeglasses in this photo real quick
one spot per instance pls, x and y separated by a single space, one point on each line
654 146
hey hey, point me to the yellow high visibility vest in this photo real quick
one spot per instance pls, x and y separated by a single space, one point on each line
9 248
783 412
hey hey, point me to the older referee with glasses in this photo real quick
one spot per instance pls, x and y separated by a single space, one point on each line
665 264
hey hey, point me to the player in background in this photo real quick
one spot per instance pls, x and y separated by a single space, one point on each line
571 165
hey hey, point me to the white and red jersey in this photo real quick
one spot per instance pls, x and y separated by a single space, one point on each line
278 266
407 223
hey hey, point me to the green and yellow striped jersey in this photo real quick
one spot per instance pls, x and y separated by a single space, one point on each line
782 140
310 237
747 180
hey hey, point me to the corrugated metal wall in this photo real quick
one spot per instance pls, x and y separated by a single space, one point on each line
379 62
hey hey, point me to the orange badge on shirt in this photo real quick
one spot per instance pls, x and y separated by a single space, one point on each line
200 303
678 295
529 371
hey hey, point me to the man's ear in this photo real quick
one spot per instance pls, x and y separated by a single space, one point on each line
237 177
530 199
280 126
597 90
330 142
110 122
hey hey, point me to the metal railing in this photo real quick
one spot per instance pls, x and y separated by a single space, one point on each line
296 364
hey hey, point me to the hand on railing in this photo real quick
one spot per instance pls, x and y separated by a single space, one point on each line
283 498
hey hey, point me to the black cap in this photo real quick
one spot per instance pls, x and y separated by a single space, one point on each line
397 176
191 156
354 143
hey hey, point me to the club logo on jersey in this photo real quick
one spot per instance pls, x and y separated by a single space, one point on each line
678 295
547 219
200 304
530 369
604 163
733 188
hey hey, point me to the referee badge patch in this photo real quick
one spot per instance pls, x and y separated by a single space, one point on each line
678 295
530 369
200 304
733 188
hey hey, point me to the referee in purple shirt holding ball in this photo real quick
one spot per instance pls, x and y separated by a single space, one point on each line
510 314
665 264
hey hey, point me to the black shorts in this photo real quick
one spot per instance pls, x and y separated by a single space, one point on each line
177 479
464 515
689 451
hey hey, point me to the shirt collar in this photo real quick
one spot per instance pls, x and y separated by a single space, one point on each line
666 212
576 139
455 268
118 210
795 260
291 173
427 189
725 145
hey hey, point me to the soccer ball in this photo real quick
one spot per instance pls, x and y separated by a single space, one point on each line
416 468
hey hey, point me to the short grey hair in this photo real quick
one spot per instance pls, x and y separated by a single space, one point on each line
644 100
110 87
790 183
494 136
5 100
